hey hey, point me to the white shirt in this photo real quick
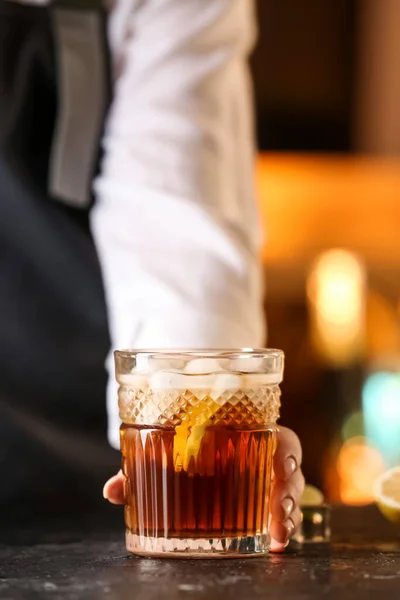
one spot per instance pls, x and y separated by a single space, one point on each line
175 222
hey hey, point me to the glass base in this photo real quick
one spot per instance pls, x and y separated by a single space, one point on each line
229 547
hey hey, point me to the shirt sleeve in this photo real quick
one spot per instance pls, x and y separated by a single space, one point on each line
175 221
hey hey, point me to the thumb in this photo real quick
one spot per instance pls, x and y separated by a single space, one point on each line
113 490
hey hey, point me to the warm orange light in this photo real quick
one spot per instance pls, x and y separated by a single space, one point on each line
382 325
336 290
316 202
358 467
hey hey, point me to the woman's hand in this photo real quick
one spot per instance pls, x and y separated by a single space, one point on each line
287 489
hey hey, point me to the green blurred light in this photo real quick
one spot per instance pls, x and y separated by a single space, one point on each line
381 408
353 426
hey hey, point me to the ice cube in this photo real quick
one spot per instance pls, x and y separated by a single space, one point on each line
141 364
167 380
225 364
181 381
248 364
200 366
257 380
223 382
134 380
201 382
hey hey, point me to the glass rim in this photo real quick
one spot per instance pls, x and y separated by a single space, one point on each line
229 353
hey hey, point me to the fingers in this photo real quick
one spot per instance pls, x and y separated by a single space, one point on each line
287 489
113 490
278 547
282 532
288 454
286 496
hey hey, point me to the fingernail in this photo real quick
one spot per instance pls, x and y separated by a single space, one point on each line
287 505
105 496
290 466
289 527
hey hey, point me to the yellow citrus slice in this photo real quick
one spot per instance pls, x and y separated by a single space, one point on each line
387 492
189 434
312 496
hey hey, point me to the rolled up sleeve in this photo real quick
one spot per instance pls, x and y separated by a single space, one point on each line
175 221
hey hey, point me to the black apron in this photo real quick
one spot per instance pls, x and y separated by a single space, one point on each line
54 338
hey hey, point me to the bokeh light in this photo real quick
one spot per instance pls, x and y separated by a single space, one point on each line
381 407
353 426
336 282
358 467
336 291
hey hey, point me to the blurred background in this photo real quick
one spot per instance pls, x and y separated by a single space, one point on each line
327 82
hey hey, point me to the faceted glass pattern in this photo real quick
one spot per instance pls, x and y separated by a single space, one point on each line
168 407
197 442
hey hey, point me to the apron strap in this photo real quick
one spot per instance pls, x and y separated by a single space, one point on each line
79 4
83 87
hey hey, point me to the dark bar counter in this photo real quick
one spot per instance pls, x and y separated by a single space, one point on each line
76 560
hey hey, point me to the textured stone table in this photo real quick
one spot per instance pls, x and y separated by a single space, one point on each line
64 562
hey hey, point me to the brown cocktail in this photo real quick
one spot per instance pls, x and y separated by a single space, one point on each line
197 440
